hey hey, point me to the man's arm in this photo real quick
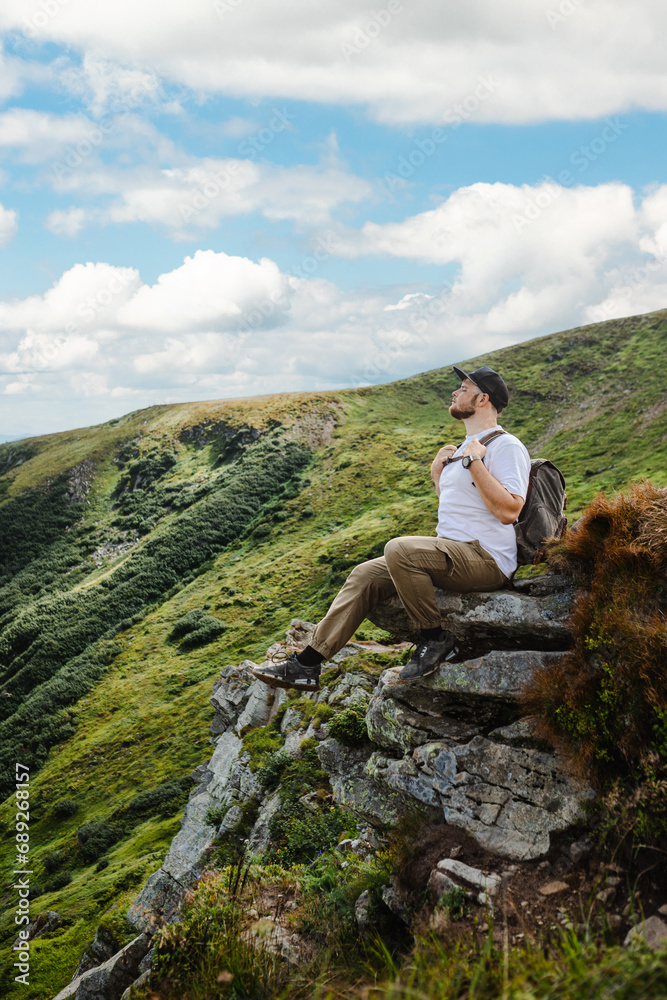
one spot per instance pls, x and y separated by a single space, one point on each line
438 464
498 501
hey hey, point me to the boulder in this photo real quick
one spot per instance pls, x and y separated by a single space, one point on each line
260 835
109 980
489 882
160 899
351 786
508 798
103 947
501 619
652 932
457 702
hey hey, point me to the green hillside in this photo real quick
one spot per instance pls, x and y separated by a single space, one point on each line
235 516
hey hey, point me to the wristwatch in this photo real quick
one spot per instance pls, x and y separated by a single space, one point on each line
467 460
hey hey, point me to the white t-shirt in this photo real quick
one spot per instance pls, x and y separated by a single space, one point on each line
462 514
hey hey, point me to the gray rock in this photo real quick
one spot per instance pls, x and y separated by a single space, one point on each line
439 884
490 882
502 619
260 834
457 702
509 799
146 963
403 716
102 948
519 734
160 899
396 898
230 694
353 788
136 985
231 819
109 980
350 689
404 778
44 922
500 675
579 850
653 931
290 720
361 915
258 705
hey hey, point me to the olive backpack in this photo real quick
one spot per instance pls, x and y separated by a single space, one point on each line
543 513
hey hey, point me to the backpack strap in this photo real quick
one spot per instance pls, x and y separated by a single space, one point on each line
484 441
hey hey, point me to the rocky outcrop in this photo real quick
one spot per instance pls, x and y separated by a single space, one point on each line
225 781
452 745
533 616
109 980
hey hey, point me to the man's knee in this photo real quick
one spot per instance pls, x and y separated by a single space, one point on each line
394 552
363 572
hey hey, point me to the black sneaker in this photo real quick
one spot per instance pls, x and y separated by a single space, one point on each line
428 655
289 673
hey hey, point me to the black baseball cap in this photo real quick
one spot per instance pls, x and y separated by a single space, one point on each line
489 382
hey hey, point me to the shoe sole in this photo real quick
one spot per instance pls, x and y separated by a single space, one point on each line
278 682
418 677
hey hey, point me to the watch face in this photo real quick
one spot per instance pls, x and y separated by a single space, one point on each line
466 461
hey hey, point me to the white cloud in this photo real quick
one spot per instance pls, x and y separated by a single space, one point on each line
38 136
8 225
15 73
408 62
221 325
66 222
105 86
195 198
527 255
209 291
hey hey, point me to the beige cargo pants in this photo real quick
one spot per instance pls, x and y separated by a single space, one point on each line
411 567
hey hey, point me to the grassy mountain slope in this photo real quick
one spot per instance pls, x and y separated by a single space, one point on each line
247 513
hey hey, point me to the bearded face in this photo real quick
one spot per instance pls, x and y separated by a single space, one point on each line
464 409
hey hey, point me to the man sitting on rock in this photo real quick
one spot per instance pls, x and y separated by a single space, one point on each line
482 488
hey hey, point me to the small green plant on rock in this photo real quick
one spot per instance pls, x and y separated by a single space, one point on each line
452 903
349 726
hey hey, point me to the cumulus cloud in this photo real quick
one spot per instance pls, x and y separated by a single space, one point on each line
209 291
196 197
8 225
404 62
526 255
529 260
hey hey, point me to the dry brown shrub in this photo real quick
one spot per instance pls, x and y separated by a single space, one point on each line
605 705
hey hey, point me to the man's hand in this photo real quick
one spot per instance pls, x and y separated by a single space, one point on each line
498 501
474 448
438 464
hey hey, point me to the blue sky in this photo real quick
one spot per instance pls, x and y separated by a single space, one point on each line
236 197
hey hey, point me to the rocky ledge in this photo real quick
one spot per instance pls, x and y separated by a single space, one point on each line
453 746
531 614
